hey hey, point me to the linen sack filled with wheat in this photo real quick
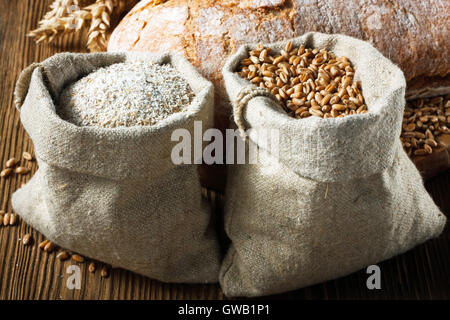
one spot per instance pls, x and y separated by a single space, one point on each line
115 194
340 194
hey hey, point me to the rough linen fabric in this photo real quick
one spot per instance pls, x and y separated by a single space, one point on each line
115 194
341 194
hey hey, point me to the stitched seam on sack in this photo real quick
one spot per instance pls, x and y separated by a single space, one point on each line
232 262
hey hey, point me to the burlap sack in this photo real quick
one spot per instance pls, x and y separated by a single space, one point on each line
115 194
342 194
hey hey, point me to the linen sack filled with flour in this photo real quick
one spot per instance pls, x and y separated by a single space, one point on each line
338 195
114 194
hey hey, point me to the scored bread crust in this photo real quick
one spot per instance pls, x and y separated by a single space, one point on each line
413 34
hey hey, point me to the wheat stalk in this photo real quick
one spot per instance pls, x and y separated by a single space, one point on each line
49 29
60 8
102 11
66 16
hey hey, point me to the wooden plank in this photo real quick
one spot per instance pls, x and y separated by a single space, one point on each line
29 273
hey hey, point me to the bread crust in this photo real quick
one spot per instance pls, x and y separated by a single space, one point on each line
413 34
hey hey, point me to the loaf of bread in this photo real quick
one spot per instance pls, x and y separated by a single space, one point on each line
413 34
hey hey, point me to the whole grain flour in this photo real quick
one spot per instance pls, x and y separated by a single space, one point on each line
125 94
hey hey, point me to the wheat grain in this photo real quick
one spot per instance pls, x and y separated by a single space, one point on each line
27 239
104 273
43 244
11 162
92 267
5 173
6 219
306 81
22 170
424 120
78 258
49 247
13 219
27 156
63 255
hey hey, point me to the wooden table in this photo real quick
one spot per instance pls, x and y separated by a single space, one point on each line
29 273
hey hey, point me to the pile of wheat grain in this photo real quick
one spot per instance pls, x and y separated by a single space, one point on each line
307 82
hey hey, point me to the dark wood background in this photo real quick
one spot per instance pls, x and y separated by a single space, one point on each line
29 273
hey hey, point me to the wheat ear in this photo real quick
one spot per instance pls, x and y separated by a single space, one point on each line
66 16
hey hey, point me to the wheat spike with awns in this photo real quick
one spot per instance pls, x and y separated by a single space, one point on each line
68 16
